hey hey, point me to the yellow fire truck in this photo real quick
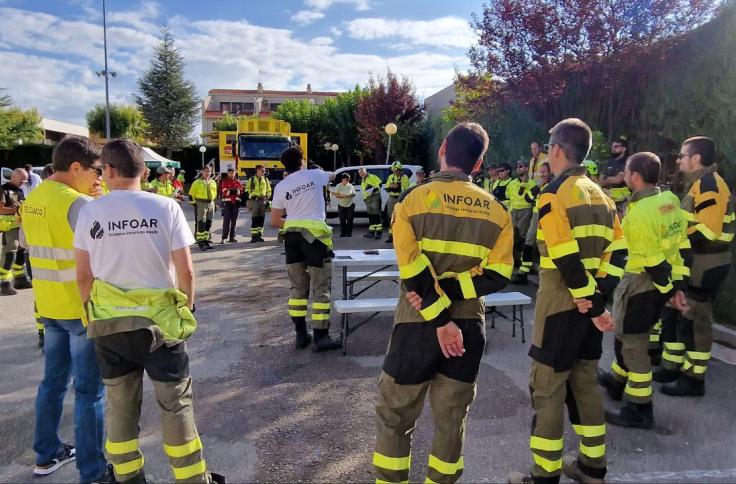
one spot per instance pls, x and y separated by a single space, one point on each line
257 141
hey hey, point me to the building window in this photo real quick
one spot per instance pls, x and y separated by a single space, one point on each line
226 107
274 107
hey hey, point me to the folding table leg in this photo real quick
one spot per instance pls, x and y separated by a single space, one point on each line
513 321
521 311
344 333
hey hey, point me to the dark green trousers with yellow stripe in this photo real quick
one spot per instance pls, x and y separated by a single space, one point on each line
122 358
577 389
414 367
687 338
309 268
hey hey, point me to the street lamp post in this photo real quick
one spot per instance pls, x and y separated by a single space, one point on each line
202 150
334 149
106 73
390 129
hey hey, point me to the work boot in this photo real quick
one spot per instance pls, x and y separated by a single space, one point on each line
685 386
40 338
209 244
369 235
379 234
323 342
217 478
663 375
260 239
6 289
520 478
22 282
632 415
614 388
570 467
390 239
107 477
232 240
519 278
253 239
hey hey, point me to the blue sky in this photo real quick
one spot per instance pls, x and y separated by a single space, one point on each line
50 50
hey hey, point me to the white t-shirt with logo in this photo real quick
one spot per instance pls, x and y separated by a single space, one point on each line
130 236
301 194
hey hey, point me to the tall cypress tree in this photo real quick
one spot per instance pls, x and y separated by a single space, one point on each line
168 102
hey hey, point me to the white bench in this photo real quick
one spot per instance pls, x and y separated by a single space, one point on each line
373 277
346 307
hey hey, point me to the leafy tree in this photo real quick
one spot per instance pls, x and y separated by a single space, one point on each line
16 124
389 100
226 123
555 56
305 117
126 121
340 125
169 102
4 99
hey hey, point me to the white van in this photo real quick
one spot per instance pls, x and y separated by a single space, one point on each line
6 172
381 171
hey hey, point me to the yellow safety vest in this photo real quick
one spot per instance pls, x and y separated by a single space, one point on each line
259 187
163 188
520 194
203 190
51 245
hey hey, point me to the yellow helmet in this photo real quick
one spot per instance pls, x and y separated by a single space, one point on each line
396 166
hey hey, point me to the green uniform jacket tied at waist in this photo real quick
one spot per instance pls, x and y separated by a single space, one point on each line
311 230
114 310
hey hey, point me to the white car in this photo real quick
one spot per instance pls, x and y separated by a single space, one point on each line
381 171
6 172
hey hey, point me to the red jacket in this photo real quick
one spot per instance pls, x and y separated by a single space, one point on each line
226 185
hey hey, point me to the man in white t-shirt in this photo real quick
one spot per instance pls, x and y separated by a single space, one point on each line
135 274
308 247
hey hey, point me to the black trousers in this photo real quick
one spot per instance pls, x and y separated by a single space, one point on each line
346 219
122 353
229 218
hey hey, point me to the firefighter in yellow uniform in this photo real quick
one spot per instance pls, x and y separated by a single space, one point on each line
203 192
490 178
612 179
655 231
538 158
522 193
582 253
530 241
711 226
453 246
396 184
370 186
259 194
162 184
12 256
500 186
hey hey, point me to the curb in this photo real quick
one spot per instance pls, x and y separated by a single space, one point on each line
724 335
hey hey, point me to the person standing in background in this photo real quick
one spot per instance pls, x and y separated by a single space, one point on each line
345 194
231 191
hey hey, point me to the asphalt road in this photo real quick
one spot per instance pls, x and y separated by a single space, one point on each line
269 413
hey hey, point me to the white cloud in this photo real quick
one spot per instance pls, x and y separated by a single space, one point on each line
360 5
452 32
50 63
335 31
305 17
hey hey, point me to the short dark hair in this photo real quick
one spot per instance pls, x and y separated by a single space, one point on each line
647 165
703 146
258 167
574 137
231 169
125 156
464 145
74 148
344 176
622 141
48 170
292 158
545 164
28 167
